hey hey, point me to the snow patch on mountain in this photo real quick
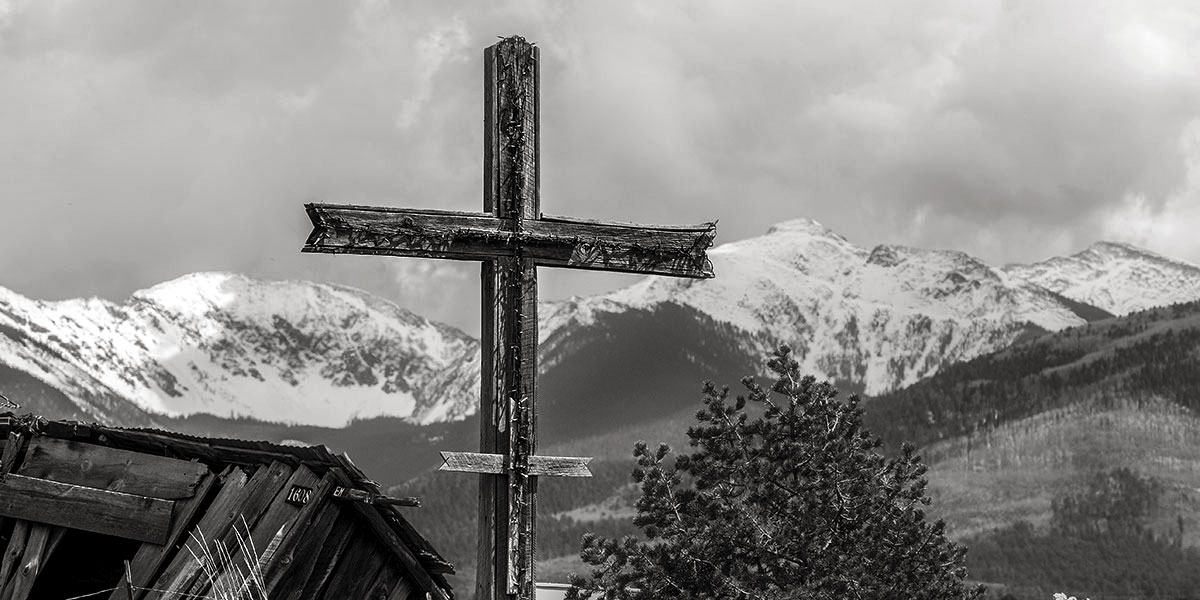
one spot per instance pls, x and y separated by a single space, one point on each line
1119 278
224 344
877 319
883 318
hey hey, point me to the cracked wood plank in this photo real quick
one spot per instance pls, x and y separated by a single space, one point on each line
78 507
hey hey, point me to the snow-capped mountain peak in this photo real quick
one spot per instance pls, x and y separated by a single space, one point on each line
294 351
881 318
803 226
1117 277
224 344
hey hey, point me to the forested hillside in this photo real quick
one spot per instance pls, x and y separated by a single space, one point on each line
1099 544
1149 353
1007 436
1068 462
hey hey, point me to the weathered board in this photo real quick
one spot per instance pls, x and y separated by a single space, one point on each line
549 242
43 539
14 550
111 469
325 562
78 507
403 590
265 485
12 447
273 523
390 540
149 558
288 579
385 581
511 161
313 516
364 555
239 498
476 462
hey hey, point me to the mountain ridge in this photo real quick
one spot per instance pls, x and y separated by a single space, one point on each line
1108 275
845 308
207 342
874 320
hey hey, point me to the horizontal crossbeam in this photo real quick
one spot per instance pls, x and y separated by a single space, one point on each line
496 464
549 241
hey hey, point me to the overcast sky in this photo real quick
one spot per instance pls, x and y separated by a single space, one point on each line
142 140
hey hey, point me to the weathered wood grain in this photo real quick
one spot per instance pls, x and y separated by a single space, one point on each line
643 249
78 507
286 580
403 590
8 461
557 242
384 582
474 462
14 551
259 494
240 497
357 568
493 415
519 199
551 466
308 518
204 450
31 563
560 466
12 448
326 561
216 519
510 295
276 519
387 536
111 469
43 539
149 558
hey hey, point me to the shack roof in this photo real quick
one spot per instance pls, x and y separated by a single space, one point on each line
389 526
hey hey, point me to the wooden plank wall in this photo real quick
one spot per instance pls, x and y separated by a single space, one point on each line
319 549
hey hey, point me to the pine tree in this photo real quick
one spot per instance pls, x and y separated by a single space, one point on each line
785 496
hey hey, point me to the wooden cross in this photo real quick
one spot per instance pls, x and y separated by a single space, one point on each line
511 238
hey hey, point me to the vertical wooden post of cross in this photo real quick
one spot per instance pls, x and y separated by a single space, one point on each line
506 502
511 238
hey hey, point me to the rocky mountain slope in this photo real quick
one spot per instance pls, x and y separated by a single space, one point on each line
1118 278
873 320
224 344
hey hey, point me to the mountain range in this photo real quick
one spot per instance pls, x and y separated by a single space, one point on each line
874 320
1007 436
1019 382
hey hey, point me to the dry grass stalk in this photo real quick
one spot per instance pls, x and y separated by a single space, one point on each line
231 578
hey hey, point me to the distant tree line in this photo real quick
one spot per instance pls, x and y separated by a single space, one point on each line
1098 545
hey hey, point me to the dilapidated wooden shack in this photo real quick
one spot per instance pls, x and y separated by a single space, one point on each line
131 514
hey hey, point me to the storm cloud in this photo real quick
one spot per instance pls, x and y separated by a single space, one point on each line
144 140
